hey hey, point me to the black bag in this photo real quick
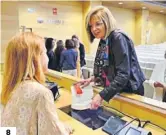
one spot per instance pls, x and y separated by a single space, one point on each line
54 88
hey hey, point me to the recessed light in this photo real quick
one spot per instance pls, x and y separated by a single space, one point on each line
161 11
120 3
31 10
143 7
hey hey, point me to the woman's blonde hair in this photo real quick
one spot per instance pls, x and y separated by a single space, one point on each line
103 14
22 62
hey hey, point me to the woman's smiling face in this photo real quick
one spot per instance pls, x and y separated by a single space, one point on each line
97 27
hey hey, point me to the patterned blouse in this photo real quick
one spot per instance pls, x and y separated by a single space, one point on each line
101 63
32 111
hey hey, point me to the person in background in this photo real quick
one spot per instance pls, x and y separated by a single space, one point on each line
69 58
159 74
57 53
159 84
82 51
28 104
116 66
50 43
76 47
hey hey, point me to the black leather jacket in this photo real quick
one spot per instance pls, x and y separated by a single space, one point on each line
124 72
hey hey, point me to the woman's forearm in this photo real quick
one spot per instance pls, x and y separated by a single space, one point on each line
165 88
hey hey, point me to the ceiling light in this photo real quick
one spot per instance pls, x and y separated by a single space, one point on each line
31 10
161 11
143 7
120 3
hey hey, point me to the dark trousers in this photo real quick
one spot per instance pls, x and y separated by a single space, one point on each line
140 90
164 98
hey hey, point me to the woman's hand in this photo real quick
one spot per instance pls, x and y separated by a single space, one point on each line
84 83
68 128
158 84
96 102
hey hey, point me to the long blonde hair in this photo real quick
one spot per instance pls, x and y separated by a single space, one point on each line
106 16
22 62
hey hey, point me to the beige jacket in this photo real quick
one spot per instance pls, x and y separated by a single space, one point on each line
32 111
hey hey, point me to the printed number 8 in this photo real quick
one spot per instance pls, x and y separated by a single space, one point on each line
8 132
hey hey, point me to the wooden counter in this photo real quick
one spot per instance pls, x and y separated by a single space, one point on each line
81 129
139 106
64 100
131 104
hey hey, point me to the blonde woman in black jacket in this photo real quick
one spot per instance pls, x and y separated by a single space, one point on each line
116 66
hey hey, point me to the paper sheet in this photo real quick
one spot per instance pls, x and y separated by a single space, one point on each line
82 101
